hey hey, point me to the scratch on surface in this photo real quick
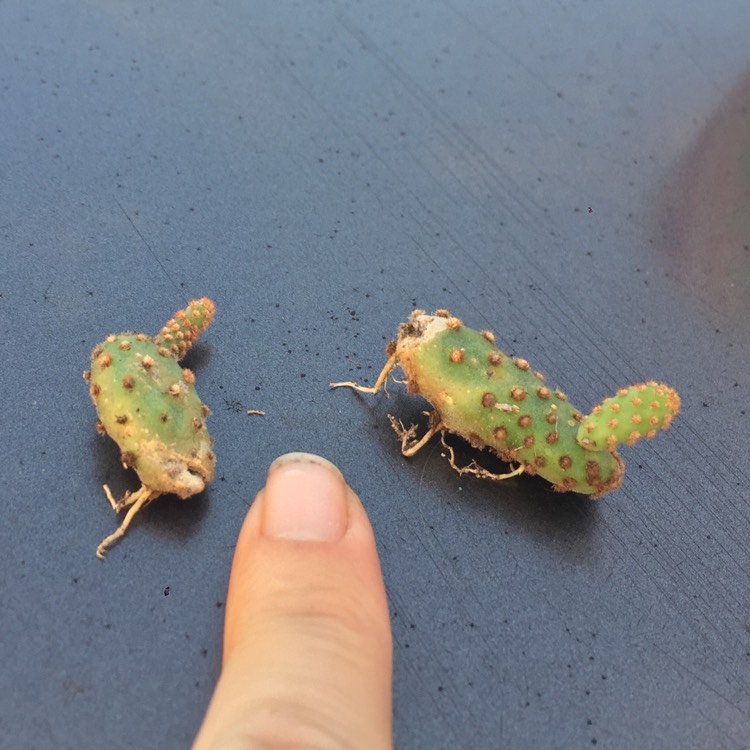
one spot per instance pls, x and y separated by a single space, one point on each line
699 678
143 240
426 463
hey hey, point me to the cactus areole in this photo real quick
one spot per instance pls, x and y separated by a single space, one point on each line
498 402
148 405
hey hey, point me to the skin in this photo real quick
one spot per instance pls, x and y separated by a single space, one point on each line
307 642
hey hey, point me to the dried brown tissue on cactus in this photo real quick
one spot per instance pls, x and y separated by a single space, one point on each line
147 403
499 403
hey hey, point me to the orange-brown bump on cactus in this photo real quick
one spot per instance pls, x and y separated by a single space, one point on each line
509 411
149 406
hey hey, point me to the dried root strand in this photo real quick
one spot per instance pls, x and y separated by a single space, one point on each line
379 383
410 444
473 468
135 501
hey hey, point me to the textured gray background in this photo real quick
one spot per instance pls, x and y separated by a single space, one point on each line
567 174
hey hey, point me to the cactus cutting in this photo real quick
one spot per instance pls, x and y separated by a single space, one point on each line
148 405
498 402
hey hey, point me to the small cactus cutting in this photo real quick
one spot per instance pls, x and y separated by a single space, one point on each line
494 401
148 405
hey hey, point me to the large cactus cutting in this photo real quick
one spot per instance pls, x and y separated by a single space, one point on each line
148 405
498 402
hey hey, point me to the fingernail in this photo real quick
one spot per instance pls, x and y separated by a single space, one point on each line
305 500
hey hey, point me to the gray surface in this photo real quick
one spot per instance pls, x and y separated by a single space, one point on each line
319 169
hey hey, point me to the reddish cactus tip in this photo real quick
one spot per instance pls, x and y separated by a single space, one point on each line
177 337
201 311
634 413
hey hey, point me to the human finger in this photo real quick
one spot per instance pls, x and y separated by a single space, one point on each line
307 640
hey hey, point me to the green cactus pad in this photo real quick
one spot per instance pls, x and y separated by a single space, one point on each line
499 403
634 413
148 405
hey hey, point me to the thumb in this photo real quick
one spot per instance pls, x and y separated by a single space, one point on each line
307 641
